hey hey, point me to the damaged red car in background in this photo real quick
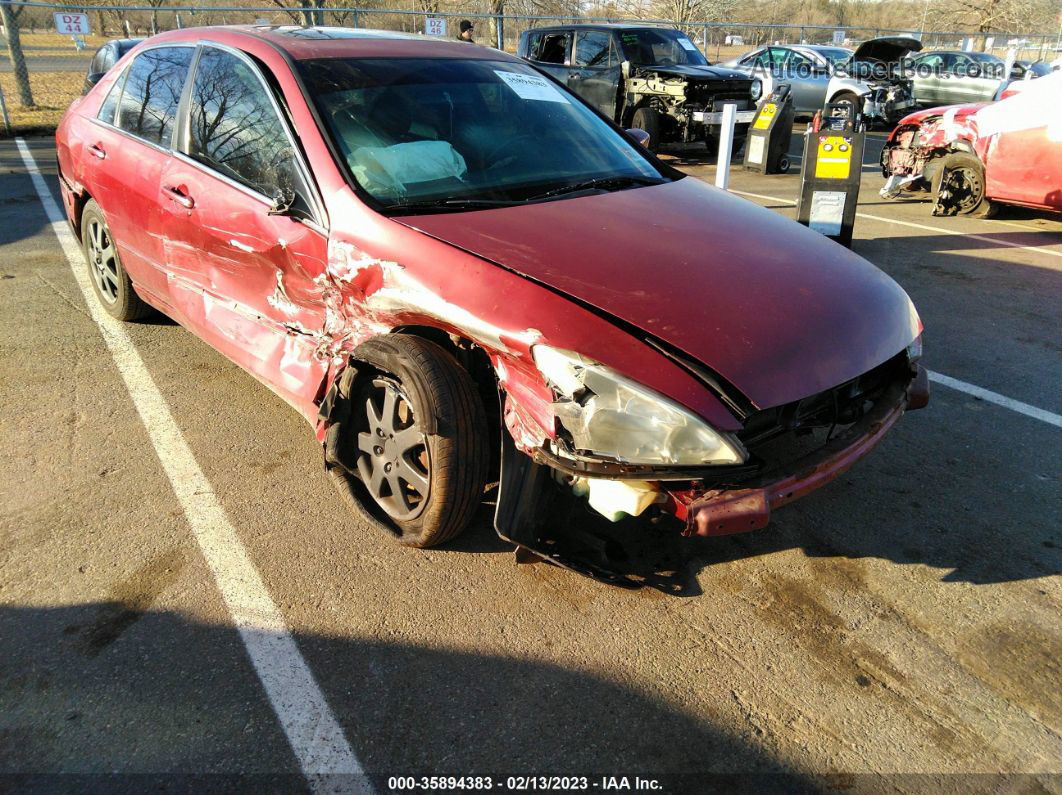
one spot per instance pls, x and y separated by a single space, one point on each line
459 272
970 158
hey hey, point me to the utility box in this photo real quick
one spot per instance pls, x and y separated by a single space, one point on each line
830 172
767 144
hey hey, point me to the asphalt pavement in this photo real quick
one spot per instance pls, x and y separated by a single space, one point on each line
897 630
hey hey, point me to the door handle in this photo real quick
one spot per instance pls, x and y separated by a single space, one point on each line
97 150
183 199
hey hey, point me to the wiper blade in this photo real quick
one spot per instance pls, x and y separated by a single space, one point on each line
600 182
453 204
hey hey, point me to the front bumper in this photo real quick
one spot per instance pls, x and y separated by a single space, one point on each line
716 117
737 510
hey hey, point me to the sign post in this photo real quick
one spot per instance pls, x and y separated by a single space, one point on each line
72 24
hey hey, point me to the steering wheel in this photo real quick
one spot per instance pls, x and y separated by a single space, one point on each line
493 159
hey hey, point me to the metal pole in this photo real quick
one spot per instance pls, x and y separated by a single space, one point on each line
14 51
3 107
726 144
501 31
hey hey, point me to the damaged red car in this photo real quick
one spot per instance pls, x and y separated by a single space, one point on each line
461 273
971 158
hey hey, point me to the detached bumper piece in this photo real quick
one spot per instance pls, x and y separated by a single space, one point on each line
739 510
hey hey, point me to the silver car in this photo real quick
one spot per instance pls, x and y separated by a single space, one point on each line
944 77
870 79
807 68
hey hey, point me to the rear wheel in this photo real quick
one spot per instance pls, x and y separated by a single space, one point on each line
648 119
959 187
419 459
109 279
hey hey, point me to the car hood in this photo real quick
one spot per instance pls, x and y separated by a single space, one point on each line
888 49
695 72
779 311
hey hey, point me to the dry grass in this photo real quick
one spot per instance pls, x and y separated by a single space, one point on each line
53 44
52 92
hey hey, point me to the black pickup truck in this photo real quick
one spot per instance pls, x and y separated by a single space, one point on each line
648 77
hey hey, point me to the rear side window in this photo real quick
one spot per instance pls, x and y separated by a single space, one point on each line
234 127
110 104
592 49
554 48
153 88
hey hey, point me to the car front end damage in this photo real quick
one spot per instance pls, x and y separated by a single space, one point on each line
911 157
779 455
888 100
690 104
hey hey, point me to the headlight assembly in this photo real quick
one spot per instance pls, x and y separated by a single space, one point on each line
608 415
757 90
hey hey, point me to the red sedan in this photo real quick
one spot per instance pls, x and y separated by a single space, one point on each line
975 156
434 252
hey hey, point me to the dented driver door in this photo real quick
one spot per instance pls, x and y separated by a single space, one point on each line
244 245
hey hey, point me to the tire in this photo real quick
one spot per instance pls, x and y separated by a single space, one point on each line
969 169
851 99
649 120
420 443
109 280
783 164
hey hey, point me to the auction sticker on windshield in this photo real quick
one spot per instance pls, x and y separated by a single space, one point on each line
532 87
689 45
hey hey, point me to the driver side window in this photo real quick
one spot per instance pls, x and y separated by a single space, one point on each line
234 128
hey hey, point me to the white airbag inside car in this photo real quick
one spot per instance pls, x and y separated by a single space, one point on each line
390 169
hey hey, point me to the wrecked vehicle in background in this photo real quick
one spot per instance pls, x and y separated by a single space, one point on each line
651 78
971 157
874 80
441 259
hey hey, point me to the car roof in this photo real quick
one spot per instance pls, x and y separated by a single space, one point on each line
603 26
302 43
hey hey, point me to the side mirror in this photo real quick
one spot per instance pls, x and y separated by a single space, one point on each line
91 80
283 199
639 135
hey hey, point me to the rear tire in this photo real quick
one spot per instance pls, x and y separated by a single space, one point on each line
648 119
109 280
420 443
967 175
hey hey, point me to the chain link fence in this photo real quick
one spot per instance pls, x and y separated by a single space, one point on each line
42 71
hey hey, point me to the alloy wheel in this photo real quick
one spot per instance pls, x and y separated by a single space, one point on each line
103 262
393 458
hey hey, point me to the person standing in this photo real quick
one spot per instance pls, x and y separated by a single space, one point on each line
466 30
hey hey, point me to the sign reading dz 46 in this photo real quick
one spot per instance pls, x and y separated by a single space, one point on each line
72 24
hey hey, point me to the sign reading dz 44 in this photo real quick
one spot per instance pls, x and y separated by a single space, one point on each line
72 24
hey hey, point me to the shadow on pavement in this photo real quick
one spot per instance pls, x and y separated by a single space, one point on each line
109 689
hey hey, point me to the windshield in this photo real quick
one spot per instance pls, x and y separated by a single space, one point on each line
420 131
836 55
660 47
984 57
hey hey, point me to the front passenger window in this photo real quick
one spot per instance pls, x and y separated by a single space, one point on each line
234 127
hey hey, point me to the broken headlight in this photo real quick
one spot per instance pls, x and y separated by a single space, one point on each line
609 415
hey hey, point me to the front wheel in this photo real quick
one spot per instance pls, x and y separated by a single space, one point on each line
959 187
648 119
421 453
854 102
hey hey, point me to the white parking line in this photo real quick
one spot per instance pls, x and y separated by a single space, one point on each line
936 229
1000 400
312 730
